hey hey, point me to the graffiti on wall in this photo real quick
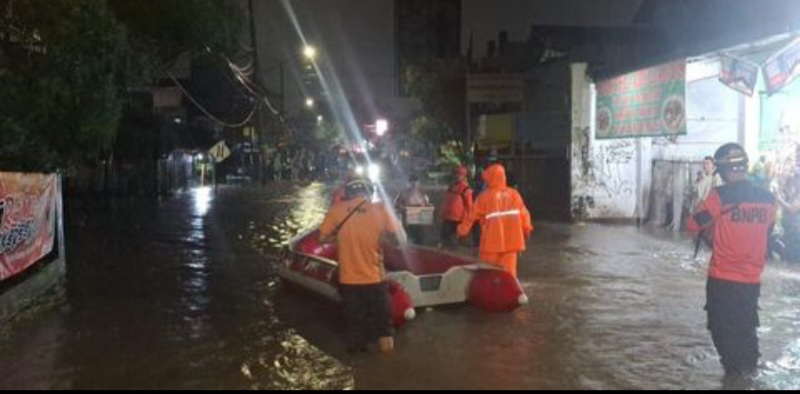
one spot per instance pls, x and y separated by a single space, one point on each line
618 151
666 140
602 172
605 167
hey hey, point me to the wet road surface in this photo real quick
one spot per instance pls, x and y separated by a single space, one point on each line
183 295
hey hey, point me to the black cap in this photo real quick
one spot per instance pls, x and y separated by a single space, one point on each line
731 157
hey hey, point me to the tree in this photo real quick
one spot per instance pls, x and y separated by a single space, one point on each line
66 67
161 30
59 103
437 91
328 134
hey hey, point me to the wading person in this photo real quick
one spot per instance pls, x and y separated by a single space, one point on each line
504 220
357 226
738 218
457 202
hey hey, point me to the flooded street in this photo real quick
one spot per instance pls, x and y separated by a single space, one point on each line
183 295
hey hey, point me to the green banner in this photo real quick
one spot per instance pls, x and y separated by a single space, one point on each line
644 103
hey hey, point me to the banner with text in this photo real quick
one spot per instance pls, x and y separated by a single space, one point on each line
738 74
644 103
782 68
28 204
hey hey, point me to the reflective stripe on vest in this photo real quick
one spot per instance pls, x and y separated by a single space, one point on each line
502 213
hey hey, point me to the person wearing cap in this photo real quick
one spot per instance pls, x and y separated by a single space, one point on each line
738 217
358 225
457 202
504 220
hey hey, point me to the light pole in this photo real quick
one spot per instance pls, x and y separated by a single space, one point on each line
308 53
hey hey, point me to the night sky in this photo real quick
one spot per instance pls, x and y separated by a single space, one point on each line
356 37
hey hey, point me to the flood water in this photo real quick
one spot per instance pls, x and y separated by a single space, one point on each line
183 295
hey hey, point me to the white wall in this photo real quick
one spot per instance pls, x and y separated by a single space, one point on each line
604 172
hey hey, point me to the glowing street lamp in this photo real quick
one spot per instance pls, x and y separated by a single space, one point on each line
310 52
381 127
310 102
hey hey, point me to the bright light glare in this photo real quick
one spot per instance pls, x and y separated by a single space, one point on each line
381 127
310 52
202 200
374 172
309 102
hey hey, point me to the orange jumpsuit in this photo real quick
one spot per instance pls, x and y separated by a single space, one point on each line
505 221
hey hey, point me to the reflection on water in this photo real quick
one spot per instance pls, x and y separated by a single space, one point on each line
297 365
183 295
202 200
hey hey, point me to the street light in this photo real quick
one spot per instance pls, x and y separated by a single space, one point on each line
309 102
381 127
319 119
310 52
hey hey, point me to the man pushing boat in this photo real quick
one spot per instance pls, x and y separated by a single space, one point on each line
357 225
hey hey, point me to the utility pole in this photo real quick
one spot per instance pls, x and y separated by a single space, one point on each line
258 129
253 42
283 89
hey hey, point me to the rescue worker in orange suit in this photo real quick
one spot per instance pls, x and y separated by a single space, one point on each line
739 217
504 220
457 203
357 225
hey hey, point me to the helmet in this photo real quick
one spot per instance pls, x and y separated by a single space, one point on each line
731 157
358 187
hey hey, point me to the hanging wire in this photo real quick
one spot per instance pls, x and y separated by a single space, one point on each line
250 86
207 113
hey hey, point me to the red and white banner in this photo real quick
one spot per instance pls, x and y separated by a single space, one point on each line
783 67
28 205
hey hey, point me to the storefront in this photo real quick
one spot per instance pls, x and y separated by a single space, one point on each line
639 139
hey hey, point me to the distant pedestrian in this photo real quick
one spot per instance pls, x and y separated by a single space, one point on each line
455 206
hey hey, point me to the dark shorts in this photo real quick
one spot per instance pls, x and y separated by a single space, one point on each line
367 312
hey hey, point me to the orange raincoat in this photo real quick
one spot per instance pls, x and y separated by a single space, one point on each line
505 221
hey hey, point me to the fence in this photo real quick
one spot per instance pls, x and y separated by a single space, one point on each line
671 192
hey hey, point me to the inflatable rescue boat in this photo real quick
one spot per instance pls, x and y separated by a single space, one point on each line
418 277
